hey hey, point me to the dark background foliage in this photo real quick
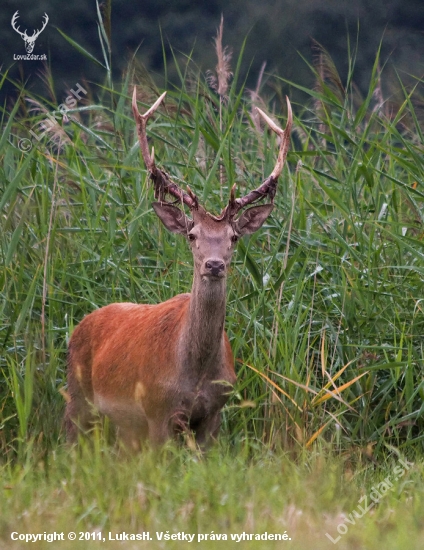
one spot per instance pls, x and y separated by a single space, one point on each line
279 32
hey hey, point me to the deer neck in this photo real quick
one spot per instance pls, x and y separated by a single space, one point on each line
203 338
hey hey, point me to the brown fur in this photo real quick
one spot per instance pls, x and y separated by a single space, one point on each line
150 397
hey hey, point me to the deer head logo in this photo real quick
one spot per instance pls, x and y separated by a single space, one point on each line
29 40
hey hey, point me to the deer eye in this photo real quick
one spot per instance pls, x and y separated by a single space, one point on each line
191 237
234 238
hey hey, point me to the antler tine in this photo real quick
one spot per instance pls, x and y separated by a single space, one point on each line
14 19
141 121
46 20
161 181
269 186
36 32
284 137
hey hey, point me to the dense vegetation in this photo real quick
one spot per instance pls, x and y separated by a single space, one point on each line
325 309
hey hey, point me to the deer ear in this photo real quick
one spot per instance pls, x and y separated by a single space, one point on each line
252 219
172 218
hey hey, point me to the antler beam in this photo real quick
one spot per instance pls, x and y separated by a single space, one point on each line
45 21
14 19
162 183
269 186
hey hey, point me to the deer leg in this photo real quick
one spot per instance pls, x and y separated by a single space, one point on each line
129 419
78 416
159 432
132 435
207 430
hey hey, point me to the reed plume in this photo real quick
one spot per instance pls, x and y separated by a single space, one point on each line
220 81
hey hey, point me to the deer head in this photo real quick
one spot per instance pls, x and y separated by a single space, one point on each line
29 40
212 238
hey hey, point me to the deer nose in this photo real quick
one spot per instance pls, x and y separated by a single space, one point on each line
215 267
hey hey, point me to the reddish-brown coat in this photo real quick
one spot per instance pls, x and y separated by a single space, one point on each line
122 359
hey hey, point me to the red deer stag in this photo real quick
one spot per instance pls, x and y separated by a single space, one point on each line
161 370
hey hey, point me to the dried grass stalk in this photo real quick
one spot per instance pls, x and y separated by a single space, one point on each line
220 81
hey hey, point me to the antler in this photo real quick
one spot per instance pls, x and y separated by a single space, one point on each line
161 181
46 20
269 186
24 34
164 185
14 19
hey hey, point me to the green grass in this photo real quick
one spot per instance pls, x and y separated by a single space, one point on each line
324 312
95 490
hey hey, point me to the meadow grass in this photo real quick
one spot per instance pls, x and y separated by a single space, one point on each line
324 309
96 490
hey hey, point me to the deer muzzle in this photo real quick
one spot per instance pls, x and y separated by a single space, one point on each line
214 268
